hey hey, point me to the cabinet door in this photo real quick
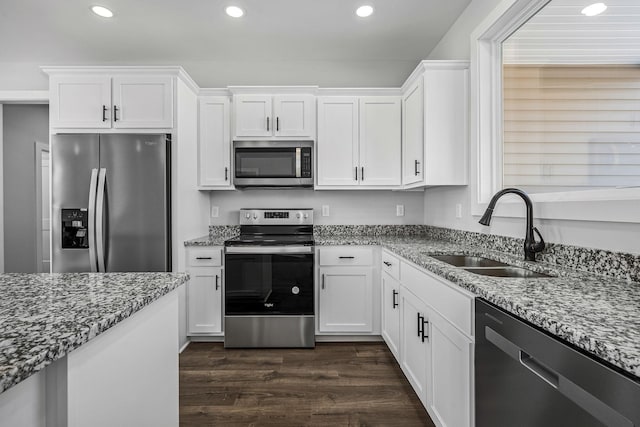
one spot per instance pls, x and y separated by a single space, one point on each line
380 141
445 127
337 141
412 135
450 373
391 314
214 143
80 101
414 351
252 115
294 115
345 300
142 102
204 300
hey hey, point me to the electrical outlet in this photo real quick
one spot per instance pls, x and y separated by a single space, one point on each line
458 210
399 210
215 211
325 210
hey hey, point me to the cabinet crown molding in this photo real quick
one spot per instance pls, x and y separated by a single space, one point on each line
173 70
270 90
433 65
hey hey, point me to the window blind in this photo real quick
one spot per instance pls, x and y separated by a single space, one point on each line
571 127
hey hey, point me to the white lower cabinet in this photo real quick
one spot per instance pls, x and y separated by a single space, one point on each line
415 353
391 313
204 291
449 391
346 299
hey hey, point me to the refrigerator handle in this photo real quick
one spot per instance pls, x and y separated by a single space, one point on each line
93 261
102 184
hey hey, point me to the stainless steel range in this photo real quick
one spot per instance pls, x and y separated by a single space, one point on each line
269 273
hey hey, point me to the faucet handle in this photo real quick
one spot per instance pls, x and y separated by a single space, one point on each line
538 246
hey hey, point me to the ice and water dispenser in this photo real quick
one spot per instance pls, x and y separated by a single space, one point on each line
75 233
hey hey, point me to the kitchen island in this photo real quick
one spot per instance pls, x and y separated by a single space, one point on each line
94 349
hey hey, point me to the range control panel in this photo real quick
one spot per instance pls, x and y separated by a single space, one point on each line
276 216
75 230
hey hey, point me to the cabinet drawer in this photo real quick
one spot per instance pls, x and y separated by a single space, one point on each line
345 255
453 305
391 265
205 257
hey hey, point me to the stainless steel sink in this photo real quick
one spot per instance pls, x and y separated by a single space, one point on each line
507 272
469 261
488 267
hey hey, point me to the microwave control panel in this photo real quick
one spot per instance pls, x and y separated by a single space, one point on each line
306 163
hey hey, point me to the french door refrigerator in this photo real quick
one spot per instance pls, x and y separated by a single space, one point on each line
110 196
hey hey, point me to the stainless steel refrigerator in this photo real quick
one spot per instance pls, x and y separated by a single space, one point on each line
111 202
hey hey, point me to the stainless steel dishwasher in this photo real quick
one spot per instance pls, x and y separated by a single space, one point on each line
525 377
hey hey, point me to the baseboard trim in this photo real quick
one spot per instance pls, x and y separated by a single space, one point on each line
349 338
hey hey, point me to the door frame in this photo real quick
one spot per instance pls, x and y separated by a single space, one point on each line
13 97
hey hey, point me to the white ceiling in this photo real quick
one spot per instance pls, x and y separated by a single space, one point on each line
277 41
560 34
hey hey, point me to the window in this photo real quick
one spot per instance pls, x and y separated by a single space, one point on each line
520 142
571 100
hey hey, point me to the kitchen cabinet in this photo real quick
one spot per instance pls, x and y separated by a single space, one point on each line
359 142
103 101
214 143
415 351
204 291
391 313
390 322
436 344
274 116
435 124
346 302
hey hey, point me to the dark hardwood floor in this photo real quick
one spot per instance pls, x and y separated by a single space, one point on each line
335 384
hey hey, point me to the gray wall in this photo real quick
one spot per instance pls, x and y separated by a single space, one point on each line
23 126
346 207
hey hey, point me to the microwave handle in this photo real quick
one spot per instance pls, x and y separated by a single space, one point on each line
298 162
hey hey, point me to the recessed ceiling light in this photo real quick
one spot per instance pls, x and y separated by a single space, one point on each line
234 11
364 11
594 9
102 11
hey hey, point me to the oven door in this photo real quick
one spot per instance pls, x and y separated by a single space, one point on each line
265 280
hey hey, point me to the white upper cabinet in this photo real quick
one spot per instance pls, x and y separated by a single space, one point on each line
142 102
359 142
337 141
274 116
80 101
413 134
95 101
380 141
435 125
214 143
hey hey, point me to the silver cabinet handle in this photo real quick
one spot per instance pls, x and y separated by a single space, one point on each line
93 261
102 187
394 300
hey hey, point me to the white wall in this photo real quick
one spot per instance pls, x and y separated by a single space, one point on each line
440 203
346 207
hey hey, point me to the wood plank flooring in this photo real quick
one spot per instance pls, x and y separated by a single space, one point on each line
335 384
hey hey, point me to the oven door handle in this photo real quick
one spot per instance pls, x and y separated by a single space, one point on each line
269 249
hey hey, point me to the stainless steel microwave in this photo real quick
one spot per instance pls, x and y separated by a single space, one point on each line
273 163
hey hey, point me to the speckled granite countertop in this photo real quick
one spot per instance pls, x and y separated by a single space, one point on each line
207 241
596 313
43 317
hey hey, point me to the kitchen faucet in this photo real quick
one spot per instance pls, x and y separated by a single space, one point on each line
530 244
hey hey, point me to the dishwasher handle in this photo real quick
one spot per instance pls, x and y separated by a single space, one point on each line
546 374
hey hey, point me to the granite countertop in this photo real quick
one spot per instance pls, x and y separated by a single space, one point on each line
598 314
43 317
207 241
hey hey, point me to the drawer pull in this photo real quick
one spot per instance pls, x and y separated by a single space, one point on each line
203 257
217 280
346 257
387 263
395 302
